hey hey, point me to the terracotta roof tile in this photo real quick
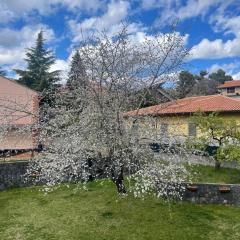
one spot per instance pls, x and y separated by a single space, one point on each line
211 103
227 84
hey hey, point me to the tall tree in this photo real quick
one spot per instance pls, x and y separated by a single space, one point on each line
203 73
185 84
2 72
77 73
39 60
204 85
220 76
95 139
220 133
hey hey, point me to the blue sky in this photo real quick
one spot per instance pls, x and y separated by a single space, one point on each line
211 27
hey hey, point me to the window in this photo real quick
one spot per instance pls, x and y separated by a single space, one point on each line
231 90
192 130
164 129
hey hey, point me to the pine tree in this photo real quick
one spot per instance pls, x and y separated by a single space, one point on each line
77 73
220 76
39 60
2 72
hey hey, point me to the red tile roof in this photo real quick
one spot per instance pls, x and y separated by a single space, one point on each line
227 84
211 103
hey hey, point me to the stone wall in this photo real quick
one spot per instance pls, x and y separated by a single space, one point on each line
213 193
12 174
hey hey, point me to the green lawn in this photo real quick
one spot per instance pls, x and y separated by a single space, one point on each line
209 174
99 214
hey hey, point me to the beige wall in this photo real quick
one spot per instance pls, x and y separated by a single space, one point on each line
18 104
178 126
18 110
224 92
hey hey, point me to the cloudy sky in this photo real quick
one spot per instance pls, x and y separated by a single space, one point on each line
211 27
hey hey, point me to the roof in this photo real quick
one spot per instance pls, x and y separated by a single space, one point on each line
211 103
227 84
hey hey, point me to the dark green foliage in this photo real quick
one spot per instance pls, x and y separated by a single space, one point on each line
203 73
220 76
77 73
39 60
185 84
145 98
204 85
220 132
197 85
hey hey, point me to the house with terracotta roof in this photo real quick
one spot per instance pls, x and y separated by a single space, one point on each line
18 112
230 88
173 119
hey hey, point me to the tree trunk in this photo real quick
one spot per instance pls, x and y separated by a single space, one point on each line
217 165
118 179
120 186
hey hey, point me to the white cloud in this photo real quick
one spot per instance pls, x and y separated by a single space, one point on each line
195 8
227 67
14 42
236 76
62 65
178 9
14 9
218 17
225 23
76 5
163 4
110 21
216 49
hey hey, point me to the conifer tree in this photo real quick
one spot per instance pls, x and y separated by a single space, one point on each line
77 73
39 60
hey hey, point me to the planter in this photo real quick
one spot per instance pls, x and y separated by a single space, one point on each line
192 188
224 189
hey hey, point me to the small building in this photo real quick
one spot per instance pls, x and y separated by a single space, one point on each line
173 119
18 112
230 88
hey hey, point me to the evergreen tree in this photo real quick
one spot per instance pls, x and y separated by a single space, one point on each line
2 72
220 76
185 84
39 60
77 73
204 85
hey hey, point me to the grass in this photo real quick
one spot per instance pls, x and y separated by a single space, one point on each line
211 175
99 214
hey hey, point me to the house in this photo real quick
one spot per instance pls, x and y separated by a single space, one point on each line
173 119
18 112
230 88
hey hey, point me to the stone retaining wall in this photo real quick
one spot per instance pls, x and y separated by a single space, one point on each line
12 174
213 193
